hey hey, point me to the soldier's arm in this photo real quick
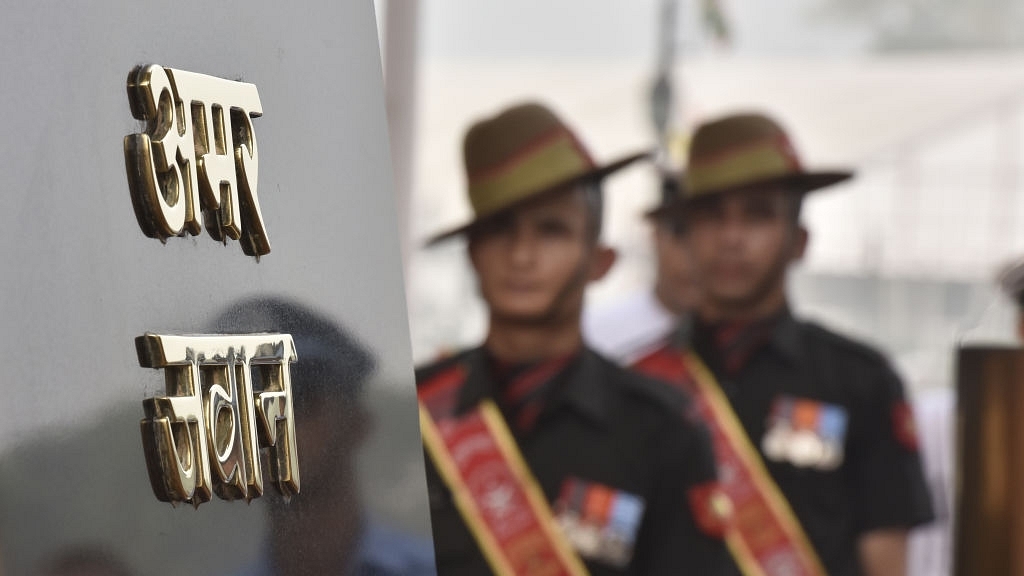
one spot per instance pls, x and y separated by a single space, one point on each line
887 479
680 535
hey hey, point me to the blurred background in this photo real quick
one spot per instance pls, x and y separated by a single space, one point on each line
924 98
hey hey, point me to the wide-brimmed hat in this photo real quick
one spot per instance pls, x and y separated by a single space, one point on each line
670 190
524 152
744 152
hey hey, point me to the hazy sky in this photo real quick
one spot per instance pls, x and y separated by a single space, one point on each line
626 29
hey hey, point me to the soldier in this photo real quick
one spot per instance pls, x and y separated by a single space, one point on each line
814 440
543 457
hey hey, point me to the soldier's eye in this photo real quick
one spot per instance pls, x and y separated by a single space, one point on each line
553 227
761 209
706 212
497 226
677 227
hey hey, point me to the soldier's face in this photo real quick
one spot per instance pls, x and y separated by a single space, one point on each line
534 262
742 244
677 282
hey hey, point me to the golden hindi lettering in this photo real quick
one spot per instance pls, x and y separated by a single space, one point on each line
197 156
228 399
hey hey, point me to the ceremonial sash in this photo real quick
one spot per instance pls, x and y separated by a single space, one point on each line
492 487
764 535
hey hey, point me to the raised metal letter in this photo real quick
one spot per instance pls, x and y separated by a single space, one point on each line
197 155
208 433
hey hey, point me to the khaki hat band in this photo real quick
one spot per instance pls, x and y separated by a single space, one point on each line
555 160
756 162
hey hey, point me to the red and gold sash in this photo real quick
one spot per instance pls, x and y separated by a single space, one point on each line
764 536
492 486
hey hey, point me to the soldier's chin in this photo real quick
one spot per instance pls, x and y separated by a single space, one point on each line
733 296
521 312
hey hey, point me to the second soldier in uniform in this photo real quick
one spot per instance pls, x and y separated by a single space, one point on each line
543 457
814 440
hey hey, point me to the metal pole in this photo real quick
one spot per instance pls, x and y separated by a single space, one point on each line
400 52
662 88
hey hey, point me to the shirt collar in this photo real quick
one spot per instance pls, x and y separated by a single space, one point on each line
478 385
786 336
585 390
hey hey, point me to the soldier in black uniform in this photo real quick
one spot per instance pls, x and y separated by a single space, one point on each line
625 482
827 416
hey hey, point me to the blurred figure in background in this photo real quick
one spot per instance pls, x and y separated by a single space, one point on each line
814 438
631 327
325 529
544 457
85 561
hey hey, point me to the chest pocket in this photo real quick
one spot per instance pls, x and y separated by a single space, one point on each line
806 433
600 522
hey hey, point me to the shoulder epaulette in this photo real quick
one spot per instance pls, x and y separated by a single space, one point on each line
846 344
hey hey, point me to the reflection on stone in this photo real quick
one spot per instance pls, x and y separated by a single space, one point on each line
327 530
87 482
85 561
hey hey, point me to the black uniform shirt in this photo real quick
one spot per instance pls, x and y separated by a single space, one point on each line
787 376
600 426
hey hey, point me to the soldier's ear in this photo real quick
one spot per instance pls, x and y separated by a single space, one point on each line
601 262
